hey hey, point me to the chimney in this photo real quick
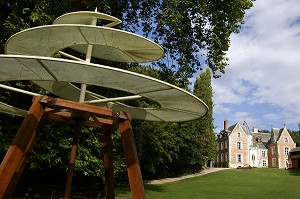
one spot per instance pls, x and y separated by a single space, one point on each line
255 130
259 139
225 125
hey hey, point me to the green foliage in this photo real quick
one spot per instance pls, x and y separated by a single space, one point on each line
205 126
296 137
168 149
187 29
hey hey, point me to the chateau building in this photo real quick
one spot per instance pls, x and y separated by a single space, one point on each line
239 146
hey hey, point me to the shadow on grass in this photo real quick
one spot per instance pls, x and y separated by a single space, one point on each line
156 188
294 172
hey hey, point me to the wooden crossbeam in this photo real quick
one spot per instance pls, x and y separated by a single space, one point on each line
58 103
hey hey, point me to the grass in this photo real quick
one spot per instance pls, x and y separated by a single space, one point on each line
227 184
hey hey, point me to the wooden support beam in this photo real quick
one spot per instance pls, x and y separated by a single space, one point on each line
108 162
132 162
72 160
17 155
99 111
66 117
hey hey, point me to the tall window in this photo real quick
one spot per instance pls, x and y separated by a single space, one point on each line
253 157
239 158
286 140
239 135
222 145
218 158
264 163
286 150
226 144
274 162
273 150
222 157
263 153
239 145
226 157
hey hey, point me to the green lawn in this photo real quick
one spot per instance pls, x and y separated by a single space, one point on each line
232 183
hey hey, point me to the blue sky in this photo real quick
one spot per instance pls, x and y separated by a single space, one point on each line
262 82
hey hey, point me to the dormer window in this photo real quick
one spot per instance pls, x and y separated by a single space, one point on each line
286 140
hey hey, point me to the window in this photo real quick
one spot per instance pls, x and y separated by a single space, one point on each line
222 145
218 158
286 140
263 153
222 157
286 150
274 162
226 157
253 157
264 163
226 144
239 135
239 145
239 158
273 150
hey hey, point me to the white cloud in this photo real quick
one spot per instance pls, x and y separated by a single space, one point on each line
264 65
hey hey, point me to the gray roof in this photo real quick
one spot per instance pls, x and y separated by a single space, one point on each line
276 132
246 128
295 149
261 146
265 137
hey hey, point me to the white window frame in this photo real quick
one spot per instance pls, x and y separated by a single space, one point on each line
239 158
286 150
239 145
239 135
264 163
286 140
263 153
222 157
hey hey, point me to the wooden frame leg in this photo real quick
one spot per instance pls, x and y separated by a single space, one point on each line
71 168
108 162
17 155
132 162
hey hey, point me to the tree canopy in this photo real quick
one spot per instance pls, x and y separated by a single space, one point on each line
189 31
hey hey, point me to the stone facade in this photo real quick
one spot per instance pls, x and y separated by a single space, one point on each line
238 146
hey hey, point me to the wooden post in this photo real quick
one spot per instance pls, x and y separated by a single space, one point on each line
72 160
108 162
17 155
132 162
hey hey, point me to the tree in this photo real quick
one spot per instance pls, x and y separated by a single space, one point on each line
205 126
296 137
188 31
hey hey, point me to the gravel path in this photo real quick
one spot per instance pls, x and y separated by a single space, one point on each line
169 180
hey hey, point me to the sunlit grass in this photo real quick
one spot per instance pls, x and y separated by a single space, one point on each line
232 183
